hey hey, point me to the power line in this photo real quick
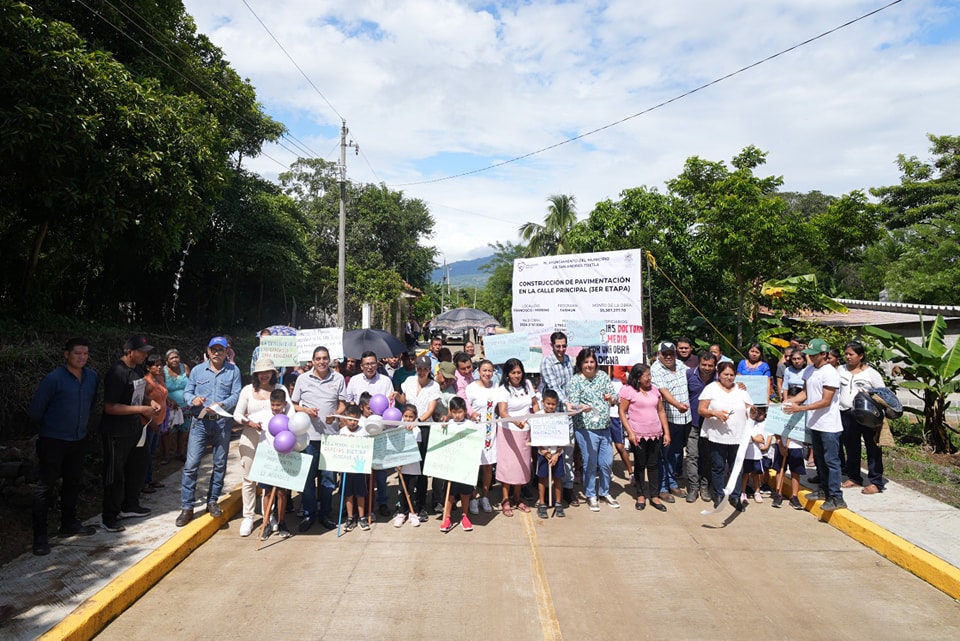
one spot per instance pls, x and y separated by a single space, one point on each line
658 105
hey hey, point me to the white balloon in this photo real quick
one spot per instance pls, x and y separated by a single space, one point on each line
374 425
299 424
303 440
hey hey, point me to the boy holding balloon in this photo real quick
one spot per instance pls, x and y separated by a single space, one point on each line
278 434
355 484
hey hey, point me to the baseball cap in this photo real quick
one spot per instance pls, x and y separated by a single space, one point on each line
424 362
817 346
667 346
218 340
137 343
448 370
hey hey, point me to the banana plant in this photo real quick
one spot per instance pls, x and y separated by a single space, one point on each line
931 372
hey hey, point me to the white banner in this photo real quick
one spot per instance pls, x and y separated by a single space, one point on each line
310 339
585 290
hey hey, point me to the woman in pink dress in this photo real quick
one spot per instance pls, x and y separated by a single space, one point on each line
517 398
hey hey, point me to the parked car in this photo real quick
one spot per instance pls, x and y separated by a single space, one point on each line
449 336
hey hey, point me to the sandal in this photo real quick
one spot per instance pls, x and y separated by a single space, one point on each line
506 509
574 502
523 507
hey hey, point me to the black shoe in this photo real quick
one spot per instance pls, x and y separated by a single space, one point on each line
717 498
112 526
542 510
832 504
76 529
737 504
349 525
692 495
134 512
659 506
185 517
364 523
213 509
306 524
640 506
41 548
283 531
383 510
423 516
328 524
777 500
816 495
265 531
558 510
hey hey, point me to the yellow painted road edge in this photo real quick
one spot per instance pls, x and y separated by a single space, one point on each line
930 568
548 616
91 616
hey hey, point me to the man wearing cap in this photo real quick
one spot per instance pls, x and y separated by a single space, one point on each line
213 385
62 405
696 461
670 377
373 382
820 399
319 393
123 429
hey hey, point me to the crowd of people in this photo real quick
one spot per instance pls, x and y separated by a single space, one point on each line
683 418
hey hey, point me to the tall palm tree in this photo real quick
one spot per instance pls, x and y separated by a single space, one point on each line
548 239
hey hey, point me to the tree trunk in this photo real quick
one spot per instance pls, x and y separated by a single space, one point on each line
35 255
933 417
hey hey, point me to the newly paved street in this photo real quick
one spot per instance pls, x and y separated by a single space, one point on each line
617 574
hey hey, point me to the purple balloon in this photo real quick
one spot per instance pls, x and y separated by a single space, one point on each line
392 414
279 423
379 404
285 441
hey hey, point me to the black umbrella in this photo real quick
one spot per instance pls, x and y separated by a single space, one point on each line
464 318
381 343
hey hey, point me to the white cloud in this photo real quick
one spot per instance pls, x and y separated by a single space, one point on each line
419 80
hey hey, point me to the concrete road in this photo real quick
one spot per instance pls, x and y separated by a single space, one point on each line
617 574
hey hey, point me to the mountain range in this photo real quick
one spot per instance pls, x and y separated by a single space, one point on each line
464 273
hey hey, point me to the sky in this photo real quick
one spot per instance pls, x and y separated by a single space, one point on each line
434 88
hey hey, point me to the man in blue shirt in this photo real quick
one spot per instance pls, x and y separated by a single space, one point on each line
696 460
213 385
62 406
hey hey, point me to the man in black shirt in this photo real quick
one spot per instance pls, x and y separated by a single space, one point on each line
123 429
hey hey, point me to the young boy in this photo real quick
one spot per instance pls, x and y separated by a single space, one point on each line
410 473
795 463
278 405
550 464
379 476
355 484
458 416
755 462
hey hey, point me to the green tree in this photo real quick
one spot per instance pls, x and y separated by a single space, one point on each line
550 238
496 298
752 234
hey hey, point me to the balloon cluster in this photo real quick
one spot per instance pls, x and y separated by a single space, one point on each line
383 411
290 434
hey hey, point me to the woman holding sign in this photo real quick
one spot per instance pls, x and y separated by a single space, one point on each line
254 400
590 390
723 408
754 365
482 399
517 398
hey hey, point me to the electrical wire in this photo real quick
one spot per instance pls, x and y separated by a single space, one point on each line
656 106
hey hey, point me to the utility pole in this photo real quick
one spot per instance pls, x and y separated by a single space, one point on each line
342 250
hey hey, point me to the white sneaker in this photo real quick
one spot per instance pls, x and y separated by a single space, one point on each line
609 500
274 527
474 508
414 520
593 504
246 527
758 497
485 504
399 519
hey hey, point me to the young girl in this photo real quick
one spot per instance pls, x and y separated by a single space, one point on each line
755 461
278 405
550 464
355 485
482 395
410 473
458 417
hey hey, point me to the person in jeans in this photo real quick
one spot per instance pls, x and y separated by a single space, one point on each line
213 384
62 405
591 391
822 402
670 377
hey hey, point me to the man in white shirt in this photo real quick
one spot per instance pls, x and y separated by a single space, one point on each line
822 404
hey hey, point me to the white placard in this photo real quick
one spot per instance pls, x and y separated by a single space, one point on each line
310 339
